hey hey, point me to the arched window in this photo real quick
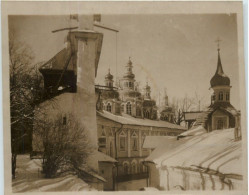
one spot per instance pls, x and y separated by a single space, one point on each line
147 114
126 168
221 95
109 107
102 138
134 141
110 84
122 141
227 97
128 108
134 168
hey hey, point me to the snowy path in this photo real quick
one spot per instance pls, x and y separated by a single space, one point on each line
29 179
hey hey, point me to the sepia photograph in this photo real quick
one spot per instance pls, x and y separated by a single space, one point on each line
125 101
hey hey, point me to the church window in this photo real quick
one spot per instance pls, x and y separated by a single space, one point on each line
109 107
110 84
122 141
126 168
122 108
147 114
134 141
220 124
128 108
134 168
64 120
221 96
102 139
227 97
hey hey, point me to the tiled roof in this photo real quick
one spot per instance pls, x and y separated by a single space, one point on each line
129 120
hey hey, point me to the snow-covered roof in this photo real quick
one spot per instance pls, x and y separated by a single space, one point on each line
216 150
101 157
192 132
129 120
223 106
152 142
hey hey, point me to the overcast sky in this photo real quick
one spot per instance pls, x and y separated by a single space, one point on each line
177 52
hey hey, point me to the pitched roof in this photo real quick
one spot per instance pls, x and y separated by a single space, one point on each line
63 57
101 157
59 61
225 106
216 150
152 142
129 120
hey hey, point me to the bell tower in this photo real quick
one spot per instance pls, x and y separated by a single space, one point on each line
109 79
220 83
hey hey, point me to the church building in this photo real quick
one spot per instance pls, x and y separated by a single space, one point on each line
125 116
220 114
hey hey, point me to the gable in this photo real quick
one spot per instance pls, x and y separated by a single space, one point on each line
219 112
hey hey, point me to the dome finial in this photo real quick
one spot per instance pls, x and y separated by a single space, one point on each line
218 44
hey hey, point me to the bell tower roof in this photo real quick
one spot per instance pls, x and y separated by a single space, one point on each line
219 78
129 74
109 76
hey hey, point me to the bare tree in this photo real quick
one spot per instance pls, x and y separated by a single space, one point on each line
64 142
180 106
25 92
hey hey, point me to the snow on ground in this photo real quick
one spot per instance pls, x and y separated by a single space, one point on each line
30 179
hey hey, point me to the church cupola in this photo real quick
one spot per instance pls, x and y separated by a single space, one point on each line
219 78
166 99
128 78
109 79
147 92
220 83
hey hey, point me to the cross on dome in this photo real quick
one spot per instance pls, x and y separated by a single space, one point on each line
218 43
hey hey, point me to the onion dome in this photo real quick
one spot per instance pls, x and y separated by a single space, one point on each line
219 79
109 76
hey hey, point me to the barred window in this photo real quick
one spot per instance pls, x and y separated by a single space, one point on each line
109 107
128 108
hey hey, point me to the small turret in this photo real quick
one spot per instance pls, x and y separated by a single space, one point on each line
109 79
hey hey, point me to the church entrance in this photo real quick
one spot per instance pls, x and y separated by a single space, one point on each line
220 124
